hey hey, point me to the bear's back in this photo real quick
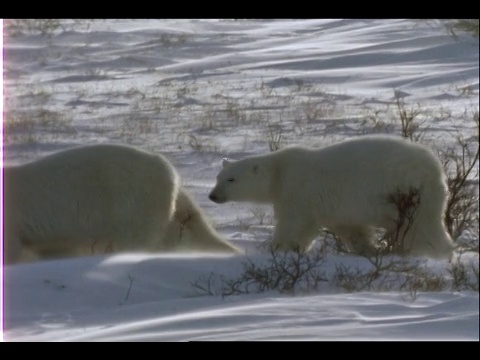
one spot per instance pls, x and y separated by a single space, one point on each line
97 159
92 154
89 173
379 149
367 157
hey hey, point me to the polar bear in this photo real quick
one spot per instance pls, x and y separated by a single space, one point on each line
100 198
347 188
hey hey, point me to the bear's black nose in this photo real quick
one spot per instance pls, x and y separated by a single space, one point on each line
216 199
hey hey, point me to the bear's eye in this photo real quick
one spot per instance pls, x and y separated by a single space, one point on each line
230 179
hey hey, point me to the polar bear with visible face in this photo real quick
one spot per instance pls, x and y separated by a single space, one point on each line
101 198
346 188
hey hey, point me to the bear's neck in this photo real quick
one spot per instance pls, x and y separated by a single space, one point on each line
271 163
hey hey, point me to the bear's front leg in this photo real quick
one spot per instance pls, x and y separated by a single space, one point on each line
293 233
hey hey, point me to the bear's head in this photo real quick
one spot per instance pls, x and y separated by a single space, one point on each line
242 180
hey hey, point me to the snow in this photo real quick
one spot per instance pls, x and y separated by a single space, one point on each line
201 90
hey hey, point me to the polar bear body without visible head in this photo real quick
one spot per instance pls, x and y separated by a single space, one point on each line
102 197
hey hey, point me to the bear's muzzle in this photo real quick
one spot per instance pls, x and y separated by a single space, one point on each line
215 198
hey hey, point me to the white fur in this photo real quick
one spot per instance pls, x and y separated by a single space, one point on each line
101 198
345 188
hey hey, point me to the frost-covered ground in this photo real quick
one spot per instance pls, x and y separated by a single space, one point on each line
201 90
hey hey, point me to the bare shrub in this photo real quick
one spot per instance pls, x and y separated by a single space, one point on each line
455 26
130 279
31 26
134 126
374 121
408 119
262 216
30 126
195 143
296 273
464 273
462 206
407 204
274 136
43 27
468 25
315 110
422 279
384 273
199 143
286 272
235 112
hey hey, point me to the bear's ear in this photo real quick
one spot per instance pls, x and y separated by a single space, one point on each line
226 163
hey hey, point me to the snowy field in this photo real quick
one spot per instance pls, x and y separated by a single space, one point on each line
200 90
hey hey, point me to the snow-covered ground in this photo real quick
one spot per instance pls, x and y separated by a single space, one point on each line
200 90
